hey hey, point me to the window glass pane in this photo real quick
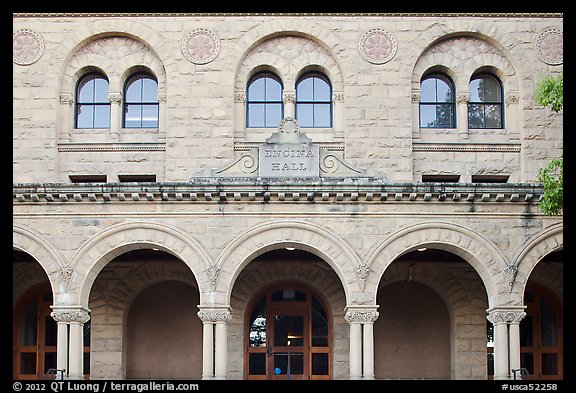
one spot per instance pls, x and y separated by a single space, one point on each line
428 90
550 364
321 90
29 326
50 333
527 361
273 90
132 116
319 325
322 115
85 116
305 115
427 115
475 116
86 332
256 90
134 90
86 90
445 115
491 89
257 364
49 361
492 116
86 363
102 116
490 363
319 364
100 90
476 94
273 115
291 295
150 116
256 115
526 331
257 335
305 90
283 359
149 90
288 328
443 91
548 324
28 363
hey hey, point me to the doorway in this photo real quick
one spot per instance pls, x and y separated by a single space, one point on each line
288 335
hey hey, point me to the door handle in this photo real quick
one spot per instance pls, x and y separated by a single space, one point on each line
269 350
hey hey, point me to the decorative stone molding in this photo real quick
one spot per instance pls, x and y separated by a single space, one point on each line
361 316
162 97
362 272
512 97
70 315
338 97
240 96
213 271
377 46
200 46
66 98
505 316
115 98
289 97
463 98
27 47
549 46
65 274
510 273
415 98
214 316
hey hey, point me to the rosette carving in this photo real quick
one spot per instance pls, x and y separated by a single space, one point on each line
377 46
27 47
200 46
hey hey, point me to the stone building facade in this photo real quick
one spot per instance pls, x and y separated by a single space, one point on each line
241 225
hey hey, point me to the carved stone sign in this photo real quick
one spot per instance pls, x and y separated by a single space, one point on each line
288 153
288 160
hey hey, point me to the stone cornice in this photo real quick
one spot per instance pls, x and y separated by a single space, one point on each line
263 190
338 14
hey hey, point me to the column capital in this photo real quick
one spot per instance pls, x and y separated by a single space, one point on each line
498 315
289 96
215 315
361 315
70 314
115 97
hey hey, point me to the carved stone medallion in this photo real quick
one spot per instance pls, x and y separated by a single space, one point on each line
200 46
550 46
377 46
27 47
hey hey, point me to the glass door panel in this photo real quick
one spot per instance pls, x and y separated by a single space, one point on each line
289 345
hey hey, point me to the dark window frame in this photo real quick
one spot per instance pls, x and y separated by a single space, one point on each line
151 104
450 104
484 104
94 104
266 102
314 102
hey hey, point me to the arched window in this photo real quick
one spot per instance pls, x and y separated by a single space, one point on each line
314 100
140 102
264 107
92 104
437 102
485 106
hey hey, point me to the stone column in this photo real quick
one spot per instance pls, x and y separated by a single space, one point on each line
338 113
361 320
115 115
215 342
66 119
506 341
462 101
70 349
289 98
239 114
162 125
416 114
514 340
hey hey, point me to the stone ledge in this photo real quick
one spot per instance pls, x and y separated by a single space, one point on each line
317 190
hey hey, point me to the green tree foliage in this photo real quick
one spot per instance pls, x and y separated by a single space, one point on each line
550 93
551 178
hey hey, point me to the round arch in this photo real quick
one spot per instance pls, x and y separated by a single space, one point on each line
45 253
534 249
479 252
91 258
278 27
308 237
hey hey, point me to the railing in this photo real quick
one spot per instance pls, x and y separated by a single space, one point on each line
524 374
52 373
